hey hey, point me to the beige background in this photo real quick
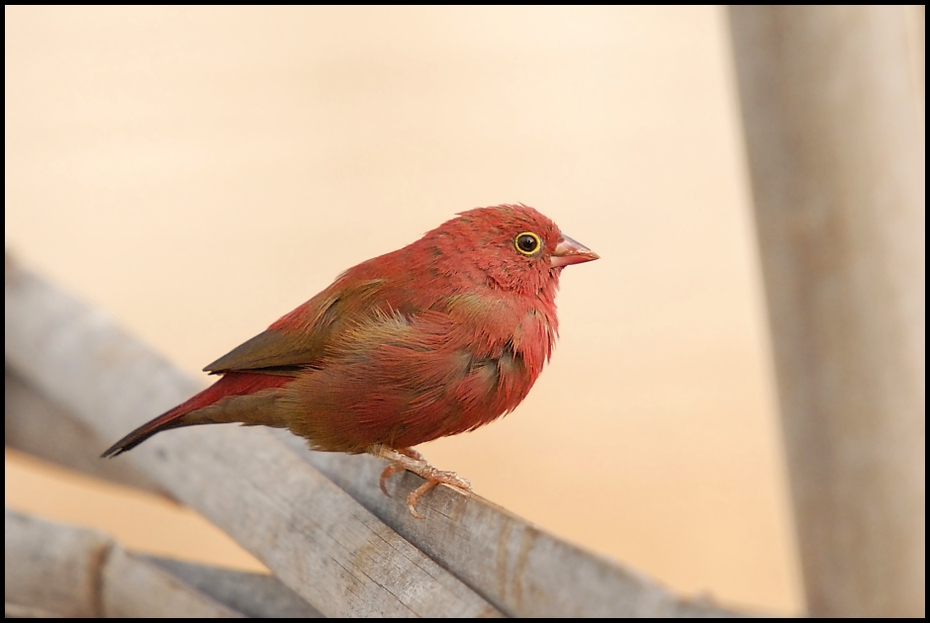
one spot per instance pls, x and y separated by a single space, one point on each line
200 172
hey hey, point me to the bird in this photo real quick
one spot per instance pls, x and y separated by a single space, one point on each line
437 338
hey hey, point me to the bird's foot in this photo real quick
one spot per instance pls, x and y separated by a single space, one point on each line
409 459
396 466
434 477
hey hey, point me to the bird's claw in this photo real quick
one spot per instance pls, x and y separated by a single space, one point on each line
450 479
389 471
414 496
409 459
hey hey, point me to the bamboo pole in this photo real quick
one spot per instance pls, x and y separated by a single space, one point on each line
50 432
513 564
314 537
76 572
511 561
833 122
253 594
54 569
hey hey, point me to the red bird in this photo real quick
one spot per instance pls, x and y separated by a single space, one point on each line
434 339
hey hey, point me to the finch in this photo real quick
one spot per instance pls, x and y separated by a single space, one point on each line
436 338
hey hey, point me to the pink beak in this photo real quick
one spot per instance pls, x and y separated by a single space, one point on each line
570 252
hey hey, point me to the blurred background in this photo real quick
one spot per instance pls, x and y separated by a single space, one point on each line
198 172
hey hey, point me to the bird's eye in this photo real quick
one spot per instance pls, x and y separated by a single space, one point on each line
527 243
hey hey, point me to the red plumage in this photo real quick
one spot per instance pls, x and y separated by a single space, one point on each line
437 338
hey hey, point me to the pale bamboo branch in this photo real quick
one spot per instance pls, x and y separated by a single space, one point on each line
56 569
512 563
34 425
311 534
252 594
833 114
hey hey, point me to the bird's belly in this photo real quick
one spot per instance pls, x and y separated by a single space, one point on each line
404 407
488 391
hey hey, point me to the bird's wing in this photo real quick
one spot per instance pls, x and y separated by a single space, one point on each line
302 337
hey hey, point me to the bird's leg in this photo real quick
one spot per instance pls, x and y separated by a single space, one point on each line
395 467
410 459
389 471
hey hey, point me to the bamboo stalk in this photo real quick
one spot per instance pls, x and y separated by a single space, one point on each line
56 569
35 425
512 563
311 534
834 134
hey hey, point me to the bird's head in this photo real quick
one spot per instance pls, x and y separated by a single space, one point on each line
514 246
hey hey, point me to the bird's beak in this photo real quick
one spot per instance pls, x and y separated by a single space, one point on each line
570 252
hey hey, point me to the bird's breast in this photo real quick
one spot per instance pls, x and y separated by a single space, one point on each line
402 381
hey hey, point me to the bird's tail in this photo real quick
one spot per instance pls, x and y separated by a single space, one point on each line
236 397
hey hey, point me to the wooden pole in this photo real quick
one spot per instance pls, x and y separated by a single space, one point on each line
834 121
54 569
73 376
315 538
75 572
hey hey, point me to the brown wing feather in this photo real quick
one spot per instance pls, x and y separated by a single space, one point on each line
301 338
